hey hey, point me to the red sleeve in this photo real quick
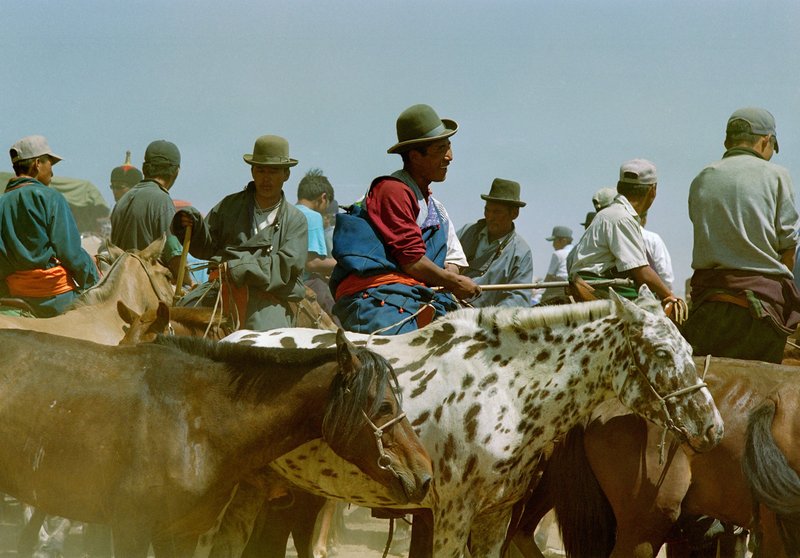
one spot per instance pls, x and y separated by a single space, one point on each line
393 209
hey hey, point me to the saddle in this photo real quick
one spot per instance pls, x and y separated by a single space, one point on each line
581 291
23 308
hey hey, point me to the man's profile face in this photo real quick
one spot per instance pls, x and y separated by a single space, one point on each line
433 164
44 170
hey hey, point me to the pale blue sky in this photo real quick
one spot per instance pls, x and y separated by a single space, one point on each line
554 95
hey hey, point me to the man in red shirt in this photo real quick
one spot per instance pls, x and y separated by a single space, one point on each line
399 242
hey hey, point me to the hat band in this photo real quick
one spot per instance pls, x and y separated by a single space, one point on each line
437 131
278 159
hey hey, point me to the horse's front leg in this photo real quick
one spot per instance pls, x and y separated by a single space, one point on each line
451 524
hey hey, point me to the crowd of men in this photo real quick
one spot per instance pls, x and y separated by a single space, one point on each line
396 261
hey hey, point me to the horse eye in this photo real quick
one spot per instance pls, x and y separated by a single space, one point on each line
386 409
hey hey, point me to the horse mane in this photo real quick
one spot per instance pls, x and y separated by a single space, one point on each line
253 371
343 418
528 318
256 372
103 290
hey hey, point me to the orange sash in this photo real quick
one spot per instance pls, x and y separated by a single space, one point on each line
40 283
353 283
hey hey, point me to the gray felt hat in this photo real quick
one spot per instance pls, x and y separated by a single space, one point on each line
420 124
270 151
560 232
504 191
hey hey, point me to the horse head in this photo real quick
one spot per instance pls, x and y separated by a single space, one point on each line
144 327
660 379
365 425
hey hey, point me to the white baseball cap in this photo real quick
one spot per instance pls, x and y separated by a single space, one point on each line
30 147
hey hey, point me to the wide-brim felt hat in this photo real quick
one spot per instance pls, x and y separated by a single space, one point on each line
504 191
270 151
420 124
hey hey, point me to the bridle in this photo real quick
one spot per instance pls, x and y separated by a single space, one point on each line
139 259
384 459
118 262
669 423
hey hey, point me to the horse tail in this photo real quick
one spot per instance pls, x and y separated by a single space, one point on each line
772 481
585 518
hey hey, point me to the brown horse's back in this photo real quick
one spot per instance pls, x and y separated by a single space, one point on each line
647 496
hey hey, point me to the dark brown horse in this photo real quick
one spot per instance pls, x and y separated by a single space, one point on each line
153 439
615 497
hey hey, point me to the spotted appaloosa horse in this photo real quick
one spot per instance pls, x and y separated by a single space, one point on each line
488 389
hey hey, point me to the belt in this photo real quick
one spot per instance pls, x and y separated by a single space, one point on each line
738 300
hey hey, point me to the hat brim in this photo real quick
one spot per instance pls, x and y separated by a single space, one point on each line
248 158
503 200
451 127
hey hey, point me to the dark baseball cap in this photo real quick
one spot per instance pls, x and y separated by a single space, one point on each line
162 151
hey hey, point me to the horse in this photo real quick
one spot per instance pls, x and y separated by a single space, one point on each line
615 496
487 389
135 278
178 320
152 439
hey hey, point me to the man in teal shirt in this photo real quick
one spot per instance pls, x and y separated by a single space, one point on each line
41 259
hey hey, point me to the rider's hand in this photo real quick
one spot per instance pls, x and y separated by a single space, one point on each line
465 288
186 219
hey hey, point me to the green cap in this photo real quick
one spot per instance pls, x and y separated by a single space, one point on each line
161 152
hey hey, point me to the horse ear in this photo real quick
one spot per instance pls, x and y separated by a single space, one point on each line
161 323
153 251
114 251
128 316
625 308
348 362
647 300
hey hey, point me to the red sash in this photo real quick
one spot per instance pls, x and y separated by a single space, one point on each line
354 283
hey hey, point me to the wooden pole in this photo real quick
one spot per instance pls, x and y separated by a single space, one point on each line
187 238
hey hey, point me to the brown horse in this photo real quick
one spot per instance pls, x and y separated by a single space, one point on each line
614 496
135 278
153 439
179 320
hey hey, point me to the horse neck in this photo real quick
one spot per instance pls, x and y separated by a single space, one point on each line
127 281
566 373
290 416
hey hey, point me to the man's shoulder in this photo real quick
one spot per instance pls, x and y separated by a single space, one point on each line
471 228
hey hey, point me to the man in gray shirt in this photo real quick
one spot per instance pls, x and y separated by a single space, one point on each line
613 246
745 226
495 252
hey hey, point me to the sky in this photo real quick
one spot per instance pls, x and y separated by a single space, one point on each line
554 95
